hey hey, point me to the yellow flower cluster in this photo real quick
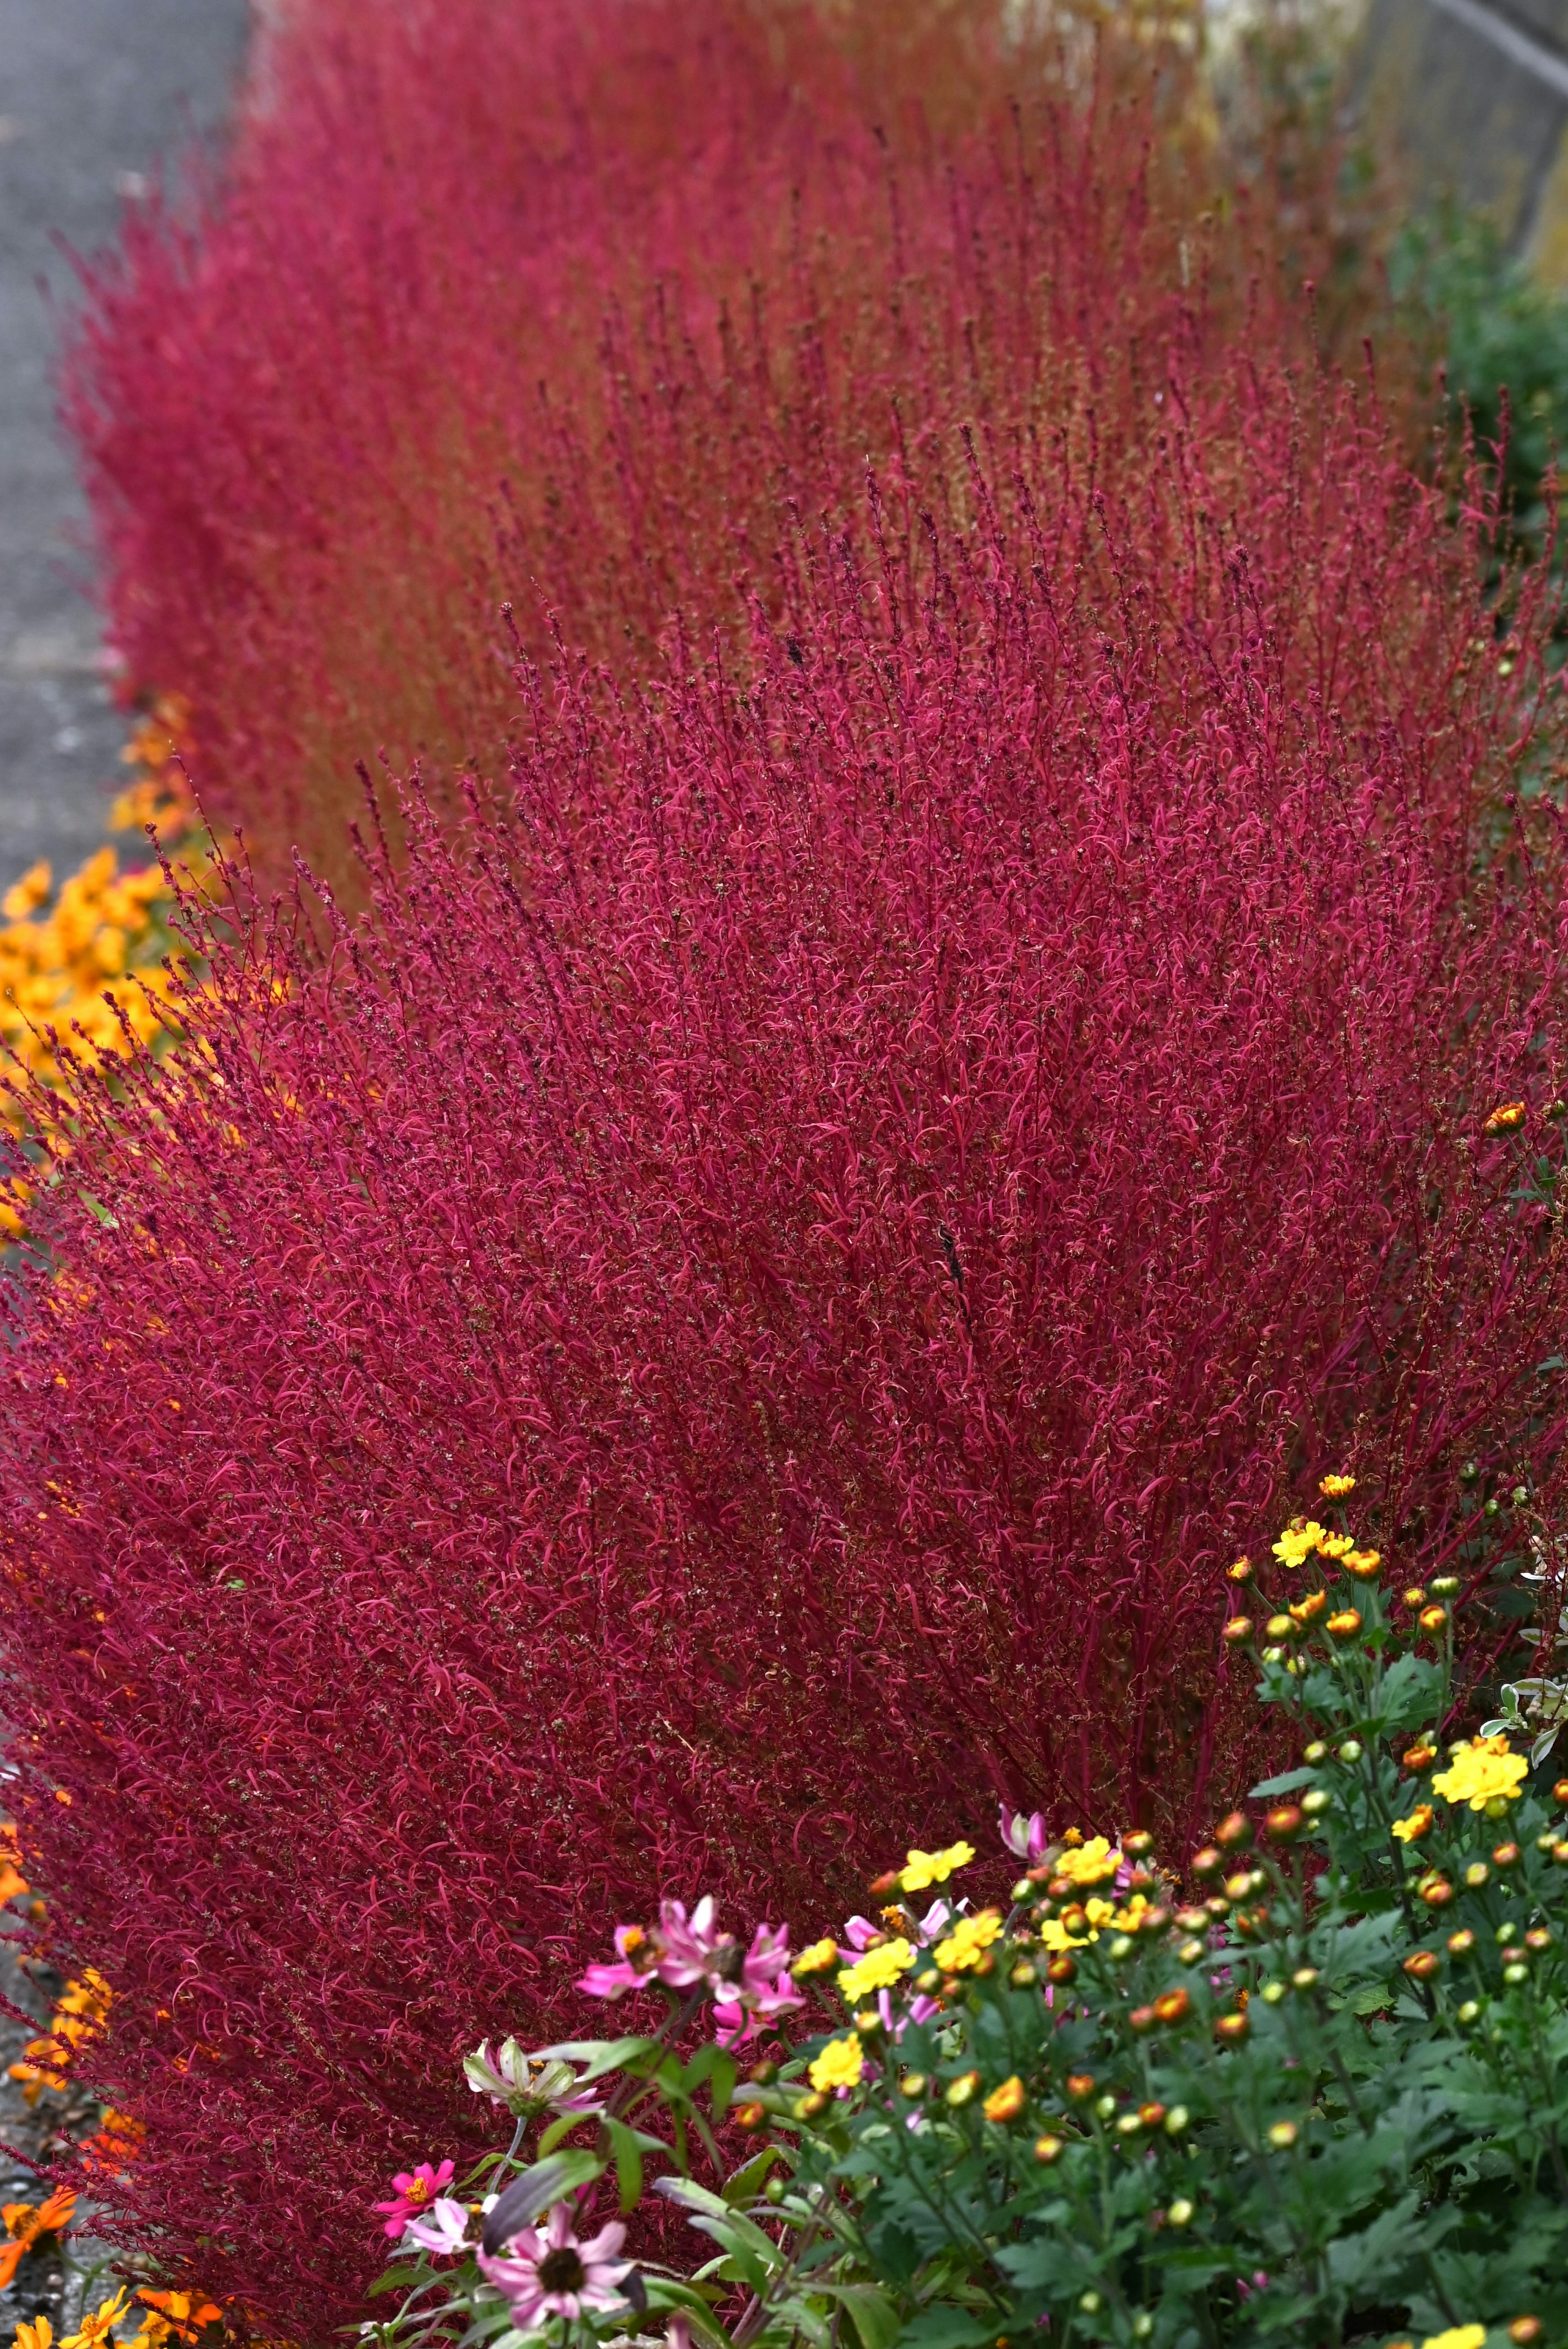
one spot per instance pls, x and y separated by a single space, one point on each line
80 2014
1480 1772
1054 1936
969 1938
878 1968
921 1869
1094 1862
105 932
839 2064
1302 1537
96 2332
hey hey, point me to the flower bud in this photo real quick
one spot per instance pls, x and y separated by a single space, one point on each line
1315 1801
1048 2149
1560 1791
1240 1572
1152 2115
1432 1618
1238 1886
1206 1862
1273 1992
1079 2085
912 2084
1190 1952
1005 2104
1423 1964
1477 1873
1461 1943
1234 1833
1283 1825
1524 2330
1415 1598
962 2090
1304 1978
1307 1610
1142 2018
1231 2029
929 1982
808 2107
1538 1939
1283 2135
1089 2302
1023 1975
763 2075
1106 2108
1121 1946
1129 2124
1506 1855
1061 1970
1419 1758
1138 1844
1280 1627
1172 2006
750 2116
1437 1894
885 1884
1443 1586
1351 1750
1179 2213
1237 1632
1560 1854
1176 2120
1516 1973
1468 2012
1316 1752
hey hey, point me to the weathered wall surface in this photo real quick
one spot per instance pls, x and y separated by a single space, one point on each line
1476 96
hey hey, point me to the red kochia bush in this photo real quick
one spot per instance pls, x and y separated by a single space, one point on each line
555 299
745 1308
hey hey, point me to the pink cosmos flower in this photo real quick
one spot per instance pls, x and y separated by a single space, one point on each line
637 1954
763 1987
444 2231
546 2271
1026 1838
416 2189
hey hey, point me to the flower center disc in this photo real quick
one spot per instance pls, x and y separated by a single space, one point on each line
561 2270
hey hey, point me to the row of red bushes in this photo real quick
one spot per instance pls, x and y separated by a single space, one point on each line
558 301
743 1311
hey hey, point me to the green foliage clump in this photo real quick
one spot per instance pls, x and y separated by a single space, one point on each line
1309 2087
1504 336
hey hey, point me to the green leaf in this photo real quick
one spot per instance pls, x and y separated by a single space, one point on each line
872 2311
601 2055
749 2180
627 2151
547 2181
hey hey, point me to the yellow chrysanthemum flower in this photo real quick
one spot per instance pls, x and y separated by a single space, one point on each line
840 2066
820 1958
970 1937
1457 2336
1299 1541
1479 1771
1411 1829
1092 1863
923 1868
877 1969
1335 1488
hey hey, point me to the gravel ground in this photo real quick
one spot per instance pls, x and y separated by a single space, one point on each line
94 94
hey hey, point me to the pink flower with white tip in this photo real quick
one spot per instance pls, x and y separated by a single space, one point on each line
444 2231
548 2271
1026 1838
414 2190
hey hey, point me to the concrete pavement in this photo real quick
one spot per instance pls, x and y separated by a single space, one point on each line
94 94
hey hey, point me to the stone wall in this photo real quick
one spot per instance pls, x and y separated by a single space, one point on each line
1474 96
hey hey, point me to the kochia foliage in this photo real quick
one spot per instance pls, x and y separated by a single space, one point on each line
747 1308
566 301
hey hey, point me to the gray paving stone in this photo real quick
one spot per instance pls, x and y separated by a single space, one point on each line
94 94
